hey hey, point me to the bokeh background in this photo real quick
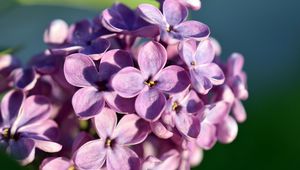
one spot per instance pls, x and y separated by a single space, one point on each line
267 32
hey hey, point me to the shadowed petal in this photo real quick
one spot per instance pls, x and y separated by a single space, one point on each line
22 150
131 130
36 108
10 106
217 112
151 14
128 82
90 155
173 79
87 102
150 104
205 52
118 103
112 62
191 103
82 138
152 58
97 47
105 122
187 124
192 29
55 163
227 130
160 130
169 160
235 64
121 157
239 111
174 12
208 136
24 79
80 70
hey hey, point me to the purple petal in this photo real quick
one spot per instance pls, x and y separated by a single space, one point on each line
7 64
191 103
105 123
55 163
80 70
112 62
239 111
192 29
80 32
208 136
10 106
217 112
227 130
150 104
160 130
187 124
22 150
97 47
47 146
169 160
118 103
173 79
91 155
24 79
128 82
121 157
87 102
205 52
152 58
57 32
131 130
187 51
151 14
35 109
174 12
65 50
204 76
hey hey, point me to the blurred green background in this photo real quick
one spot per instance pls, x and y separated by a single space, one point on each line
267 32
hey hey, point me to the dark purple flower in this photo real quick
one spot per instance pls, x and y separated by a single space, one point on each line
23 78
95 90
172 22
121 19
150 82
25 125
112 147
7 64
204 74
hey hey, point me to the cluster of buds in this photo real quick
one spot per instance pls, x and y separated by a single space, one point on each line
131 89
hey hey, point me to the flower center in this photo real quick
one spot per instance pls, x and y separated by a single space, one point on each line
6 133
108 142
169 28
150 83
193 63
102 85
72 167
176 107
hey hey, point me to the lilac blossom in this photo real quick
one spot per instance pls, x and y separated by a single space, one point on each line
204 73
192 4
25 125
172 22
95 90
150 82
112 147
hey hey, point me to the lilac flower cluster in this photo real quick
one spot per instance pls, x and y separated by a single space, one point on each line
130 89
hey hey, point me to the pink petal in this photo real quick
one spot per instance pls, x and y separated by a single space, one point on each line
128 82
205 52
47 146
193 29
208 136
217 112
121 157
57 32
173 79
105 122
152 58
80 70
191 103
151 14
187 50
91 155
150 104
227 130
174 12
131 130
159 129
239 111
55 163
87 102
118 103
235 64
187 124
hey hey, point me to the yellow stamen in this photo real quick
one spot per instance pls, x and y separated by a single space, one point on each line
150 83
72 167
6 133
175 106
108 143
193 63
